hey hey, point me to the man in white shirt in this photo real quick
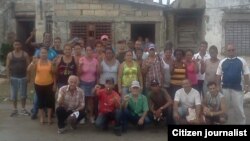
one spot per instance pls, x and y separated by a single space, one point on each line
187 104
200 57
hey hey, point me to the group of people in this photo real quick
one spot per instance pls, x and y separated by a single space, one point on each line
135 84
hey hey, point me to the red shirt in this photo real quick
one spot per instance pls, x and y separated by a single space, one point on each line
108 102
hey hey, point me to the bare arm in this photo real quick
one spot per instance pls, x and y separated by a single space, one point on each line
8 65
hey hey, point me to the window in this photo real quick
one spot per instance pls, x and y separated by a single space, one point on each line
238 33
87 29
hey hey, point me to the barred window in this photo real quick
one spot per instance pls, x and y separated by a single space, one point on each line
238 33
80 29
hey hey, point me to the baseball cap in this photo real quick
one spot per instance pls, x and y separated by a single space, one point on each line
110 80
151 46
135 84
104 37
154 82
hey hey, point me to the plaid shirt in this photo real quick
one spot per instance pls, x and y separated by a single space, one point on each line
154 70
71 101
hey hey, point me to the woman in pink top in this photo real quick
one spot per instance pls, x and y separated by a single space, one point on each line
89 74
192 68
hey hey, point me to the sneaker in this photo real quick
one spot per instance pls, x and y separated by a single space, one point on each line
92 120
118 131
14 113
33 116
25 112
82 121
61 130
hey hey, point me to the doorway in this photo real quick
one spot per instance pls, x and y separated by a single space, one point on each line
143 31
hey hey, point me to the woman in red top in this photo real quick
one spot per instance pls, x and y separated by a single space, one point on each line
191 68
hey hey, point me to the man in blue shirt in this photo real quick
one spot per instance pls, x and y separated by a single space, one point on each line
229 76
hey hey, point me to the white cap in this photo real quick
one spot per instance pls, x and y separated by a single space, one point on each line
135 84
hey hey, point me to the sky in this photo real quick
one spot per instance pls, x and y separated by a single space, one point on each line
164 1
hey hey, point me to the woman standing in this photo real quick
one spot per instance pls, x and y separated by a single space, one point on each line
44 84
129 71
66 65
89 74
191 68
109 68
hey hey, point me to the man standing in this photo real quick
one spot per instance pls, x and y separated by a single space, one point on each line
71 104
200 57
231 70
16 64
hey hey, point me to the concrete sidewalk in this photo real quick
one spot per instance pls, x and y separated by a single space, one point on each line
23 128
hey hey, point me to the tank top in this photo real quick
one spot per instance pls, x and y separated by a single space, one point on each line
18 66
88 69
167 75
109 71
179 74
44 74
64 70
191 73
129 74
214 102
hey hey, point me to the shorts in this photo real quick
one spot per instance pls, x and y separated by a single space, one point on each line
18 85
87 87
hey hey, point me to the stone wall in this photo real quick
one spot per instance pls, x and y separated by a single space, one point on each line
121 14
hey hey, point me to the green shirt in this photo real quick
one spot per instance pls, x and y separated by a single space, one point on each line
138 107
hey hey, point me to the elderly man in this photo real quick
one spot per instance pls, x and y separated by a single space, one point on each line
71 104
135 107
187 104
231 70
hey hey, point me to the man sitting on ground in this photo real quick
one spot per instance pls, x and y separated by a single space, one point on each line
214 106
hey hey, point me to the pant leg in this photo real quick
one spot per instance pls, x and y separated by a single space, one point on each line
237 104
23 83
129 117
118 117
81 115
227 94
14 88
62 115
101 121
40 91
35 105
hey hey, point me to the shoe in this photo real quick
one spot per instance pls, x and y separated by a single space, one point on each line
92 120
82 121
33 116
118 131
14 113
61 130
25 112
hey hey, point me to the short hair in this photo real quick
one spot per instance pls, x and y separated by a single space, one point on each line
168 49
189 50
204 42
109 48
58 38
77 44
179 50
66 45
17 40
213 47
211 83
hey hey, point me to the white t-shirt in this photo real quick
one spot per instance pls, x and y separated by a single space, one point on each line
197 56
189 100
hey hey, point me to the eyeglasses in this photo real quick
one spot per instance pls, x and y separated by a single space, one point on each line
231 50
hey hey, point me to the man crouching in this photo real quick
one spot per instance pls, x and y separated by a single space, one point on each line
71 104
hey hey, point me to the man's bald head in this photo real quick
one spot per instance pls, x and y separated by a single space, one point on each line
73 81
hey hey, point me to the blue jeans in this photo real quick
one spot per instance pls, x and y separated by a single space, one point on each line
103 120
18 85
129 117
34 110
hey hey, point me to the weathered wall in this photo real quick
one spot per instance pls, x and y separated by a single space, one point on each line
215 14
120 14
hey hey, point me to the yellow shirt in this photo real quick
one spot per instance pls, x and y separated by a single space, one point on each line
44 74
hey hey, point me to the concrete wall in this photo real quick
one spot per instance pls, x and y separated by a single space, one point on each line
216 13
121 14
